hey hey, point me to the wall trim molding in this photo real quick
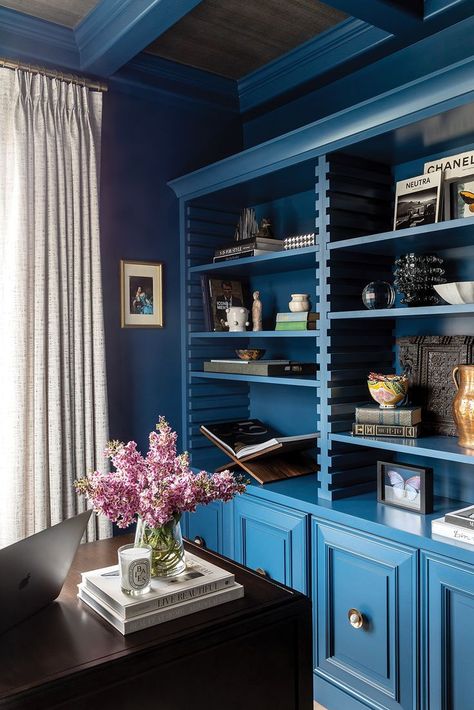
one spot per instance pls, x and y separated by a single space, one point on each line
328 50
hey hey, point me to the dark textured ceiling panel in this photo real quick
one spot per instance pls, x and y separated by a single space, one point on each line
63 12
235 37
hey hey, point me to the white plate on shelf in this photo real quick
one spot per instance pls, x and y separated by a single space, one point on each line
457 292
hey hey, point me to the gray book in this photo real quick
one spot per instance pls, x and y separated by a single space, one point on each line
402 416
261 368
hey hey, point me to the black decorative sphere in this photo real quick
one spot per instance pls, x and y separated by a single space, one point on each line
415 276
378 294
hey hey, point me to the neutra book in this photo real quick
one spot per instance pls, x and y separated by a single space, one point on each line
417 201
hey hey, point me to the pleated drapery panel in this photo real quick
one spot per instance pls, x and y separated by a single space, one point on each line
53 397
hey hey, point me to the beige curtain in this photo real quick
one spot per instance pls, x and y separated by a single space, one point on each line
53 404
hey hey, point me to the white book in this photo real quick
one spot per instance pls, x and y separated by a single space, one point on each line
455 532
418 201
238 361
200 578
144 621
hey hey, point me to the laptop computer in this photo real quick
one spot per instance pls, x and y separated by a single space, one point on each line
33 570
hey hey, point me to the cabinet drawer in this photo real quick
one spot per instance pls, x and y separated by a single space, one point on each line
273 539
205 526
448 634
373 654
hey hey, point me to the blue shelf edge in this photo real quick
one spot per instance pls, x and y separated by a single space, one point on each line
257 334
288 381
407 312
289 259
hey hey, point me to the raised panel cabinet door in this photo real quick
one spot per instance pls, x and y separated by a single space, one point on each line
273 540
448 634
365 607
204 526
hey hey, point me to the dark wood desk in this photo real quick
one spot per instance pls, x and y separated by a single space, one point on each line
251 653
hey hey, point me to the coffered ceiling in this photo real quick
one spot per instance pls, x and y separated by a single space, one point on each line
234 37
63 12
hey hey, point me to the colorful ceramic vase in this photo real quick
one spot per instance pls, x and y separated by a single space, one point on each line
388 390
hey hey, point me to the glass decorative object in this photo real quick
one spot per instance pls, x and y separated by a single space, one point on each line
167 550
378 294
415 277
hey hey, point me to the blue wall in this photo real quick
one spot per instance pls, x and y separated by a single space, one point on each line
146 142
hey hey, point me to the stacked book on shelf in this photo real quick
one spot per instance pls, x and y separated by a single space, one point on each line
201 586
401 422
261 368
457 525
296 321
253 246
261 451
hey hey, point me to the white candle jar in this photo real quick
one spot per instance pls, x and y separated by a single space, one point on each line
135 569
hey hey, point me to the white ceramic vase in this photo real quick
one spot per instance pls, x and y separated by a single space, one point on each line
299 303
237 319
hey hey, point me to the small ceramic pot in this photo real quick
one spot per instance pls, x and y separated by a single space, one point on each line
389 393
237 319
299 303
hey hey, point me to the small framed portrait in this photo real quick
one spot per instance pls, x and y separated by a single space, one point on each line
141 286
403 486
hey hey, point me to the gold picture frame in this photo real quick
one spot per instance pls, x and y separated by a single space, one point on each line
141 294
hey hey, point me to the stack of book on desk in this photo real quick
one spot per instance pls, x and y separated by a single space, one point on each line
371 420
201 586
296 321
261 368
254 246
458 525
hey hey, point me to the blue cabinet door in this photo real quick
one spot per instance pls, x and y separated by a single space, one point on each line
365 605
448 634
272 539
205 526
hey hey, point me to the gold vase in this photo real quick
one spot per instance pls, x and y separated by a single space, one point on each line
463 404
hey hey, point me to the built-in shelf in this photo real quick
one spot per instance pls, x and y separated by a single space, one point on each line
406 312
252 379
274 262
258 334
429 237
445 448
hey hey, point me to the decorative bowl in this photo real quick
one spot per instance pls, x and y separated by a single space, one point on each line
388 390
250 353
456 292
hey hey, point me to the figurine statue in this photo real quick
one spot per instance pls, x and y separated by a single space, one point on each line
256 311
265 229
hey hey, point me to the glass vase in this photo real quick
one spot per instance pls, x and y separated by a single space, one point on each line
166 542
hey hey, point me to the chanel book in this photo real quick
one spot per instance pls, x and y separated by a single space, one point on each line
199 579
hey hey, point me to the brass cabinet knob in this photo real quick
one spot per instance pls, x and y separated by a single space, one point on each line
198 540
261 572
356 619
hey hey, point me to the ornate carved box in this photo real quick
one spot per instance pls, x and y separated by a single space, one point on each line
430 360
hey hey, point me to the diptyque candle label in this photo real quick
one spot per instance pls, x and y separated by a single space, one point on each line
139 574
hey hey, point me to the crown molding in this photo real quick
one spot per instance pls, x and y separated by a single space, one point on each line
167 79
328 50
115 31
393 16
30 38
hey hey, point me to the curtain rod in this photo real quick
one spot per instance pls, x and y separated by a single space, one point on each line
71 78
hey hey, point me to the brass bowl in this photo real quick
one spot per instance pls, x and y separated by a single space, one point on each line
250 353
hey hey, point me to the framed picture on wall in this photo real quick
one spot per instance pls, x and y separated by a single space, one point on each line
403 486
141 294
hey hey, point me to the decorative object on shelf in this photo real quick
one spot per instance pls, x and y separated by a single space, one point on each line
302 320
415 277
430 360
256 312
417 201
300 241
247 226
400 416
403 486
135 569
219 295
458 180
388 390
265 229
463 404
141 294
250 353
457 292
237 319
378 294
299 303
155 490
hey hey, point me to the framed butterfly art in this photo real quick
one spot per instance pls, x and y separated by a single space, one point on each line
403 486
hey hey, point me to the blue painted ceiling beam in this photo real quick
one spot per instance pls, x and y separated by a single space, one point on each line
115 31
394 16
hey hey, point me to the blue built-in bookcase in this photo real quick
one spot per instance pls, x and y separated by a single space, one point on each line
325 534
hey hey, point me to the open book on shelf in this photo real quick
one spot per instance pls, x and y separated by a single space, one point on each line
261 451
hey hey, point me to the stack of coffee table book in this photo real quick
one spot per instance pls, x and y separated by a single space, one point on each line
457 525
201 586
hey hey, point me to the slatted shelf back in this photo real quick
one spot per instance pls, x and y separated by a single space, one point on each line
357 199
206 229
